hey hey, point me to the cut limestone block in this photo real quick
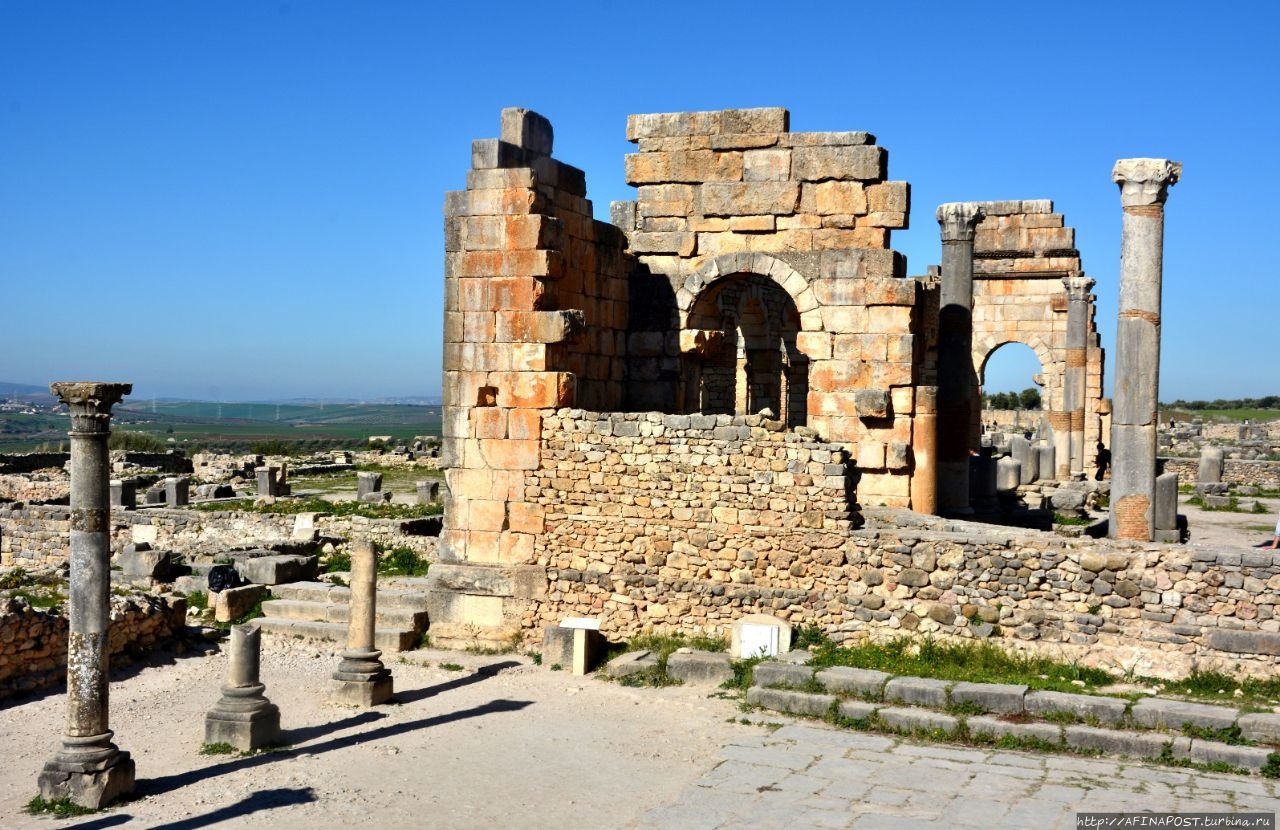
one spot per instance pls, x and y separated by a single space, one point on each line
700 667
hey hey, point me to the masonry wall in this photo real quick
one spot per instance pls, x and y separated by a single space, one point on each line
655 525
535 315
33 641
1234 471
1022 252
39 535
768 282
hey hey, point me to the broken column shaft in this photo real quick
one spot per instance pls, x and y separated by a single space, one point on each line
1075 380
243 717
957 382
361 679
88 768
1144 186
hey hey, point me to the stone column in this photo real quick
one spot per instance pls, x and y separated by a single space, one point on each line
88 768
361 679
1075 379
957 381
924 438
1144 185
243 717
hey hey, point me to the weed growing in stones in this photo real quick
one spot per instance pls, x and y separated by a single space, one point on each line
62 807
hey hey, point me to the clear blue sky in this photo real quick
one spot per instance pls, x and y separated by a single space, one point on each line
243 199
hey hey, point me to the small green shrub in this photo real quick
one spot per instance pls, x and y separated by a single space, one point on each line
402 561
197 600
62 807
339 560
15 578
220 748
451 666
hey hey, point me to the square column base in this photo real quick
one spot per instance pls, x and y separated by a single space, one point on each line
93 789
362 693
246 731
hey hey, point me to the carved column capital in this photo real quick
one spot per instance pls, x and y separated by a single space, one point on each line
959 220
1145 181
90 402
1078 287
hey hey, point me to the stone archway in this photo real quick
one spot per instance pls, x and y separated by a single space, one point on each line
744 358
984 350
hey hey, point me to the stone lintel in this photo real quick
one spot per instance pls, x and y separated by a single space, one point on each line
1145 181
1013 207
959 220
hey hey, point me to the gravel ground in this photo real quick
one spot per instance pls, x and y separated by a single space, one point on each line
499 743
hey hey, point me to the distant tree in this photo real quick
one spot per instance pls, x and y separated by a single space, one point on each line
1029 398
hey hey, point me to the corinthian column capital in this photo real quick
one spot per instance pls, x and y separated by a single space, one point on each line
90 402
959 220
1078 287
1145 181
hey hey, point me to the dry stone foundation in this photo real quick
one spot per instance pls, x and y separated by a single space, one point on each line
33 641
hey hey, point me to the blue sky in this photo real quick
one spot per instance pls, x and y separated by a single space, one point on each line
234 200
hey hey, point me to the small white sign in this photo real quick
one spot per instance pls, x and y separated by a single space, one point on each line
758 640
580 622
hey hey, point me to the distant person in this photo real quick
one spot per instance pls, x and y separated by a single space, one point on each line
1275 542
1103 460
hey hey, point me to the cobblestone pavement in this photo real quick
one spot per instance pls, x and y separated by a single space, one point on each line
809 776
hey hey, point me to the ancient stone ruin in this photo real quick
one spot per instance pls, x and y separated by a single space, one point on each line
673 419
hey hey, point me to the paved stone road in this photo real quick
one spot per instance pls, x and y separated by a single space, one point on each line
809 776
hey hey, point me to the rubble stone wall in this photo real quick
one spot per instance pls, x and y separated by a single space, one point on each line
1234 471
33 641
39 535
654 526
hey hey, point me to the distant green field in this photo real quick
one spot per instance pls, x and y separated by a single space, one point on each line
1231 415
197 425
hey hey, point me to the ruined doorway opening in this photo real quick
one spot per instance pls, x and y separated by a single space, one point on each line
750 362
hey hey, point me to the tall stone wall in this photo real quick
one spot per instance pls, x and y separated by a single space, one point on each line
535 316
768 282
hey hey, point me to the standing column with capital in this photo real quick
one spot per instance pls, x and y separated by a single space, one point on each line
88 768
1075 379
957 381
1144 186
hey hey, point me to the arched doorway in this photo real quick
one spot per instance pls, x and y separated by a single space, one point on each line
751 362
1014 394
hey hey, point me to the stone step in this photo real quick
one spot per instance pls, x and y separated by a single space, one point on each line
384 639
409 599
296 609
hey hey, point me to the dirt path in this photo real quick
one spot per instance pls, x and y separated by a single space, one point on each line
1216 528
497 744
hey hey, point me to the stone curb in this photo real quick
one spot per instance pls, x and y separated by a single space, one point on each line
878 698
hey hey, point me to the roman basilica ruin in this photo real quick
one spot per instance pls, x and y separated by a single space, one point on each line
683 416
